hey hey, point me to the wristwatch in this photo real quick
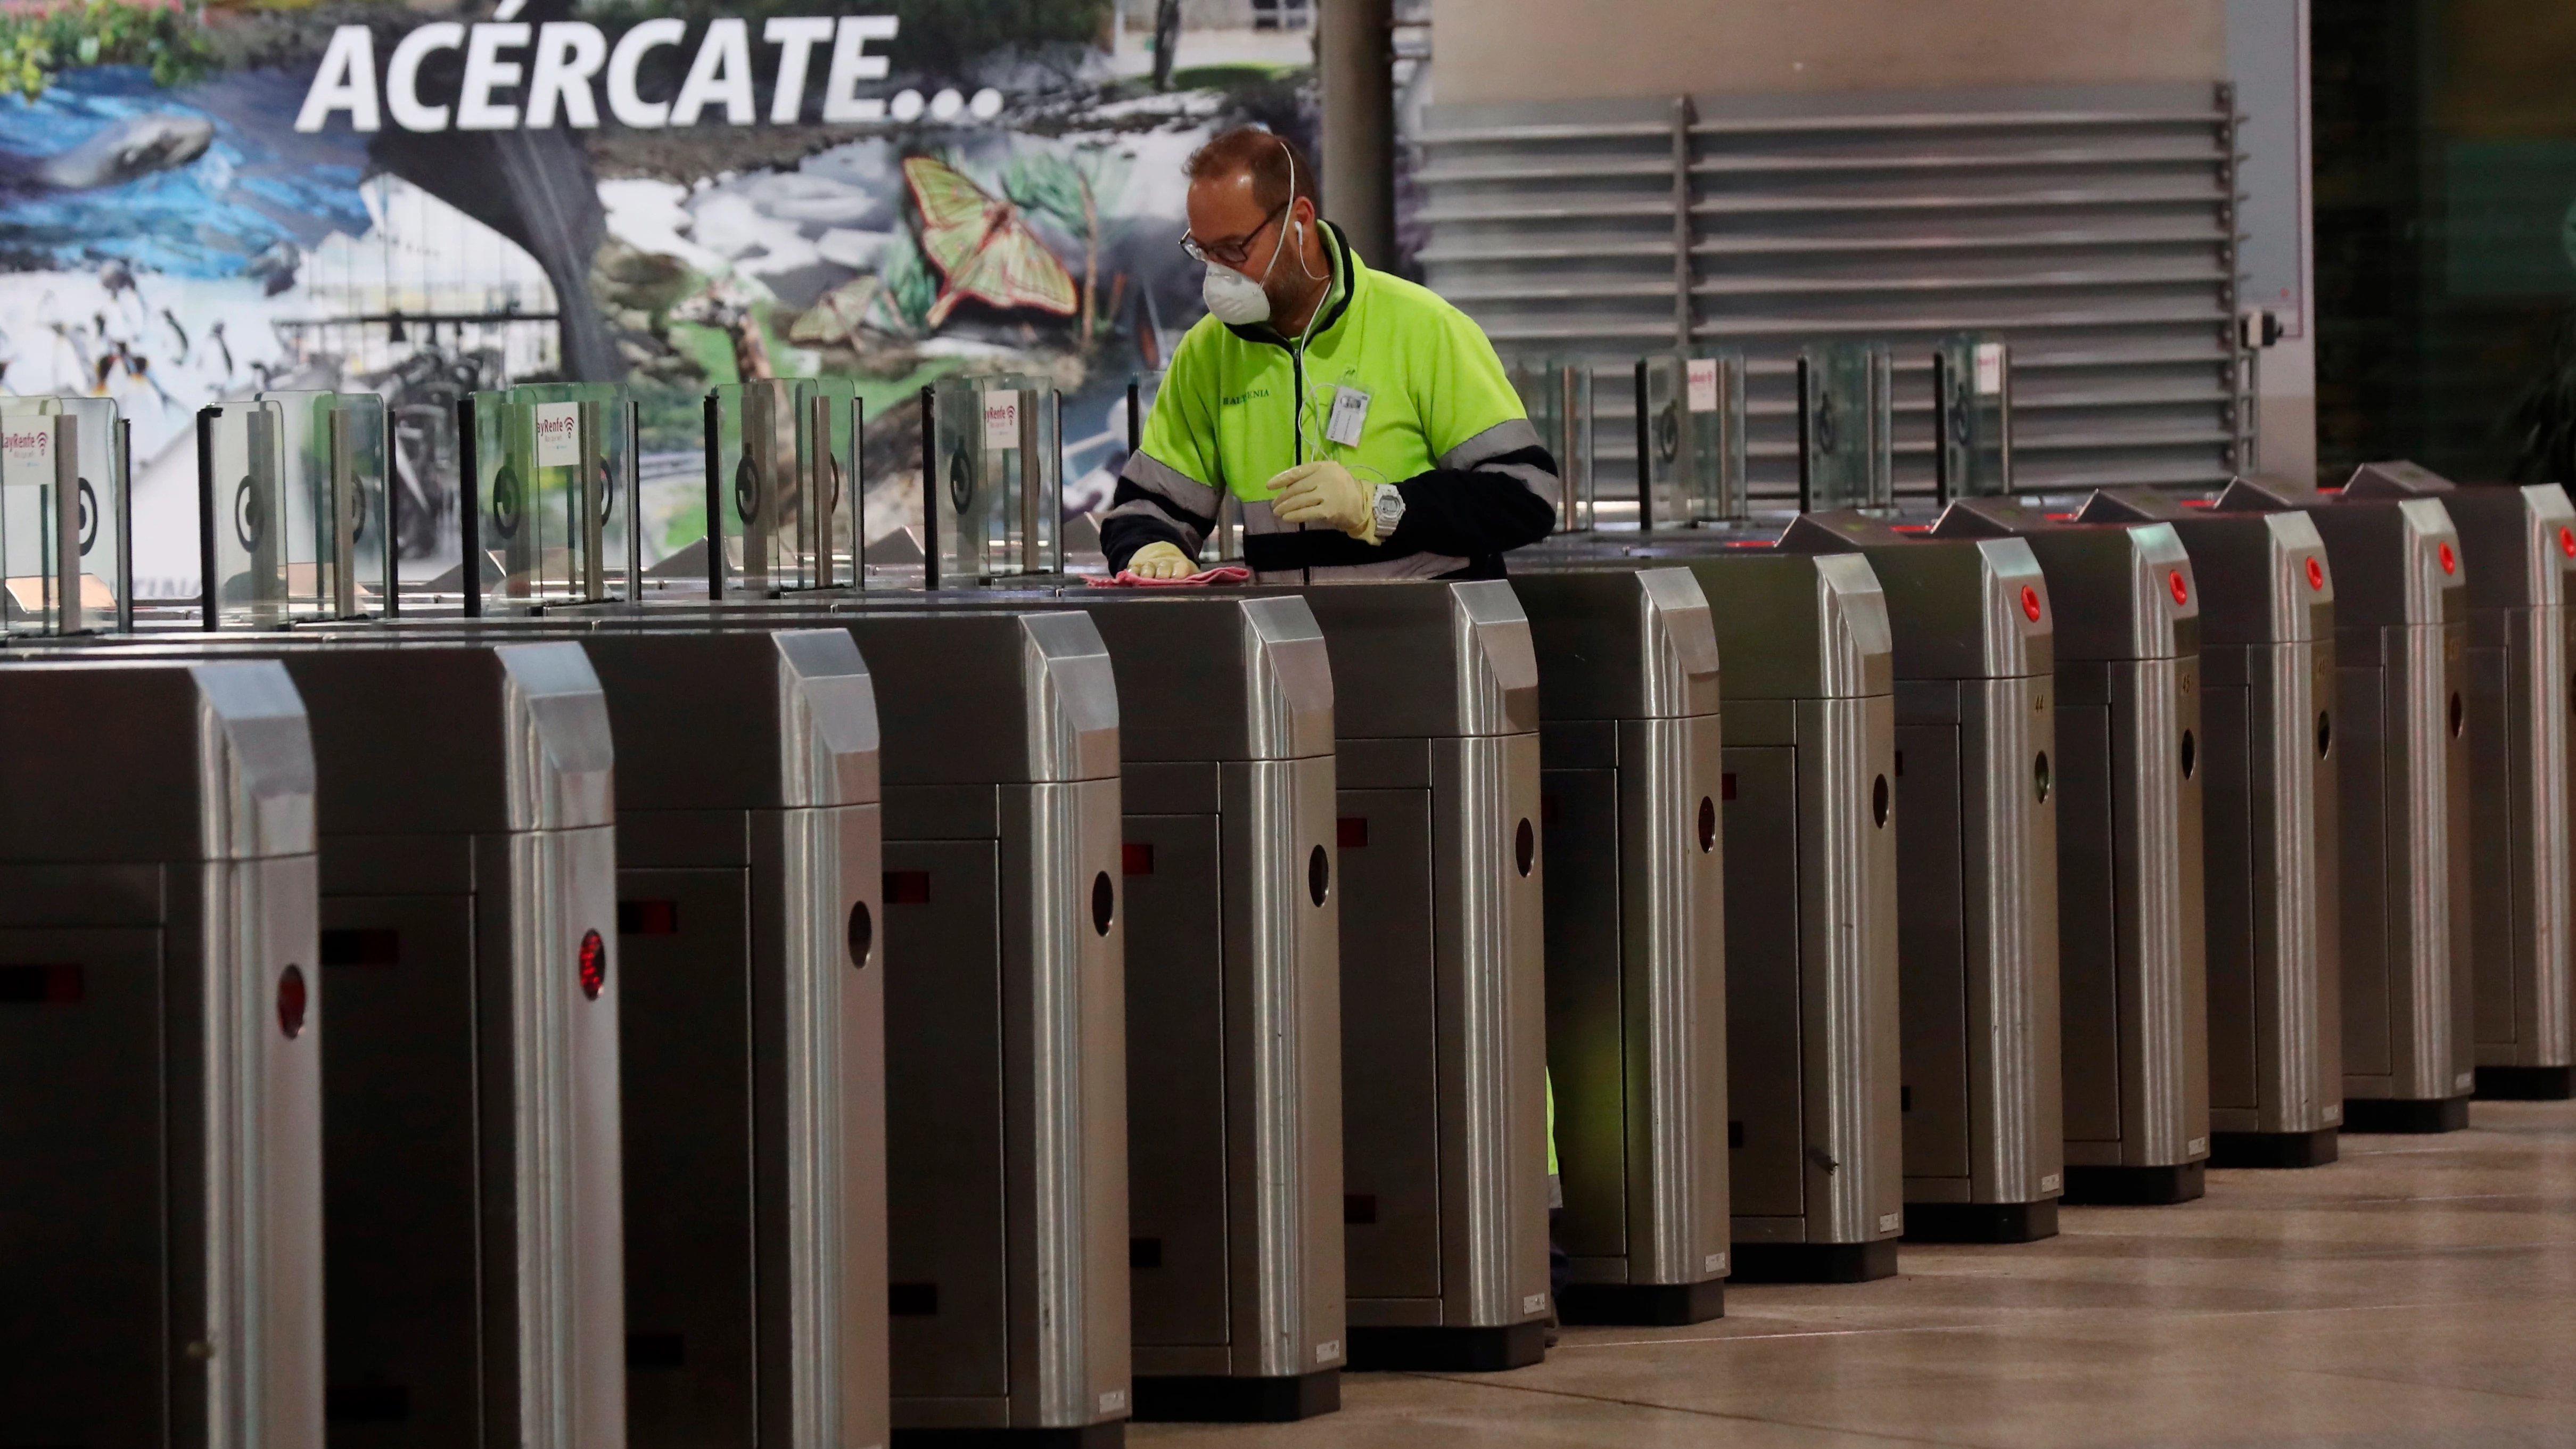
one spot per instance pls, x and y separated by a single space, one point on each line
1386 510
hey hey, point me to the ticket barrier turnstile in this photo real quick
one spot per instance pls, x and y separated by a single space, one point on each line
1006 1149
1007 1202
1443 1009
473 1258
752 1035
1630 767
2519 545
2401 681
750 1074
1463 1270
1807 807
472 1226
751 1031
997 1233
162 1019
2269 835
1976 879
1233 999
1232 972
2132 982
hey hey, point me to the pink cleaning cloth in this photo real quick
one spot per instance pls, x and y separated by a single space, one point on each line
1128 578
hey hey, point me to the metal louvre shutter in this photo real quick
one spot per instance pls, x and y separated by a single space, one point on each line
1558 228
2092 228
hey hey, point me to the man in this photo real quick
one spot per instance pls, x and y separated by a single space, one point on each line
1363 425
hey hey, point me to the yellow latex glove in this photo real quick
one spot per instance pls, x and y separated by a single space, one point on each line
1160 561
1325 492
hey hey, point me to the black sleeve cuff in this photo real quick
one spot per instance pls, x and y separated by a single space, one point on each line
1468 513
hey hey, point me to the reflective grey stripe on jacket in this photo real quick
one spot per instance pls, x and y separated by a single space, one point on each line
1487 452
1184 502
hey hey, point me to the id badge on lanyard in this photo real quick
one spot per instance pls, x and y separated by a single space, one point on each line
1349 415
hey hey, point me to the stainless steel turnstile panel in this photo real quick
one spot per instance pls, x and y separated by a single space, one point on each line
1005 1002
1443 1010
2268 739
2132 962
2518 546
497 824
1976 874
2401 667
753 1035
1636 970
1233 1003
161 1015
1809 805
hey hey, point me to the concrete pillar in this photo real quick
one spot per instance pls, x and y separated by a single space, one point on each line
1354 66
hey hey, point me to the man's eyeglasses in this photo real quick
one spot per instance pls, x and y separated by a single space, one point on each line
1234 251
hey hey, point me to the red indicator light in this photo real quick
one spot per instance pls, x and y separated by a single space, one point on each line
1136 858
2030 603
2450 560
290 1002
2181 589
2567 541
1350 832
1911 527
2061 518
2316 574
594 964
2200 503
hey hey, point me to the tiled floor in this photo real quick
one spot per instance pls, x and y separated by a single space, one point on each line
2420 1292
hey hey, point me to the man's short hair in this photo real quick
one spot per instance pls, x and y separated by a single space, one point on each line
1266 155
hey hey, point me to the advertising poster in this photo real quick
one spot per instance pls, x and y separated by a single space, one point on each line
423 199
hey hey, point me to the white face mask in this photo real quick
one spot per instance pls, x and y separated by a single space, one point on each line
1242 301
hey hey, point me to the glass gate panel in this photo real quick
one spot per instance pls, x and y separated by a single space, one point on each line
550 463
995 478
1845 403
1690 439
1972 396
64 515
